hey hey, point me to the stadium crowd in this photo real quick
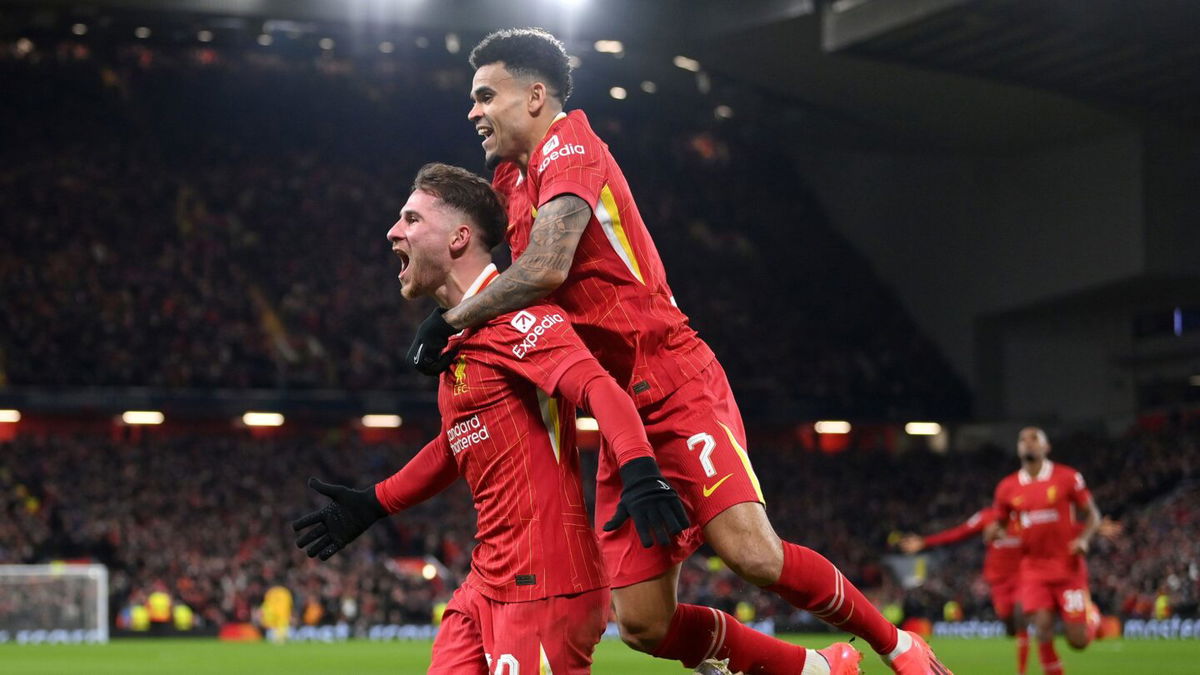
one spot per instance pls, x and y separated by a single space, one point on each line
206 517
191 217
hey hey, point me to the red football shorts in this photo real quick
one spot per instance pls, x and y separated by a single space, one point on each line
700 445
1068 595
556 634
1005 594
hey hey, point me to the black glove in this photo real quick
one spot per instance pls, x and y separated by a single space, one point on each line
654 506
425 353
349 514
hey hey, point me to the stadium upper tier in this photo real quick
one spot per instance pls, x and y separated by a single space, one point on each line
206 217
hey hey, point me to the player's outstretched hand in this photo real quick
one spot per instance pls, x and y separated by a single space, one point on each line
653 505
327 531
425 352
911 543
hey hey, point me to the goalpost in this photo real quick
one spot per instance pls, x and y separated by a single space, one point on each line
53 604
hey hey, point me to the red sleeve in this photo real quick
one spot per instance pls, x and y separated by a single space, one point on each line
1080 494
589 385
972 527
430 472
1001 506
570 161
537 343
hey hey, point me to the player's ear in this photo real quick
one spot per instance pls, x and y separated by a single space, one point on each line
460 239
536 98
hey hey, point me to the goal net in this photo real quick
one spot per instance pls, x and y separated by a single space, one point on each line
53 603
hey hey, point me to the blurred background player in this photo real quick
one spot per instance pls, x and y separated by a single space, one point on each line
1001 568
1057 518
576 236
277 613
537 596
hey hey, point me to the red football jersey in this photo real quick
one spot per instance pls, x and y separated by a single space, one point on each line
514 442
1003 557
616 292
1042 506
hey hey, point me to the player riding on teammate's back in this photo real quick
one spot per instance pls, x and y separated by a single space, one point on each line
578 238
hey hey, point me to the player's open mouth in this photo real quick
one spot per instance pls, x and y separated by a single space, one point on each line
403 262
484 131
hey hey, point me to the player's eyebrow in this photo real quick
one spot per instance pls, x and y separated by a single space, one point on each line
481 90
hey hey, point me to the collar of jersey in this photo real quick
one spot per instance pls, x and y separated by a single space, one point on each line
559 116
1044 474
485 277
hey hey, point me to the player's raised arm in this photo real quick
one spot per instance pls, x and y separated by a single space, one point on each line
351 511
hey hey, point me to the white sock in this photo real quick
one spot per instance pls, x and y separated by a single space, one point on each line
904 642
814 664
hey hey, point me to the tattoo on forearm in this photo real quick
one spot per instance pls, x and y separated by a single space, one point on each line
540 269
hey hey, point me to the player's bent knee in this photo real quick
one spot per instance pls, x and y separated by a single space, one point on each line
1078 642
645 635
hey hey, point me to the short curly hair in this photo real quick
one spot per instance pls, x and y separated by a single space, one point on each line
467 192
528 52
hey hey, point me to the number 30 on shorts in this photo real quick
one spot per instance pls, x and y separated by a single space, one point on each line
1074 601
505 665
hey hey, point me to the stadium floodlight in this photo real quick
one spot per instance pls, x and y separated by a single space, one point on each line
79 29
387 47
618 93
649 87
832 427
609 47
453 44
141 32
587 424
325 43
142 417
723 112
24 46
428 572
205 36
10 416
265 40
922 428
382 421
687 64
262 419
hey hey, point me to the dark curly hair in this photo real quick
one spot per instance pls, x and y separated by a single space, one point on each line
472 195
528 52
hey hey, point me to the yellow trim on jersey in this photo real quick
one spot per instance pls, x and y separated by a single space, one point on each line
609 217
544 665
533 210
551 419
741 453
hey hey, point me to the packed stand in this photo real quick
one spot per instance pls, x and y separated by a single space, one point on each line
195 217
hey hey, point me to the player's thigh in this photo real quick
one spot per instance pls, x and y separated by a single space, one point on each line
700 444
571 630
1072 600
458 647
1004 598
556 634
743 537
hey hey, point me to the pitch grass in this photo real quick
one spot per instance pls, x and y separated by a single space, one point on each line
204 657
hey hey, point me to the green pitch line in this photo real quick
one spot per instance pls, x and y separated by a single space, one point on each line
205 657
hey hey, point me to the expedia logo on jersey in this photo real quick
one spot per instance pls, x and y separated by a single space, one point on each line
467 433
533 329
1038 517
551 151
